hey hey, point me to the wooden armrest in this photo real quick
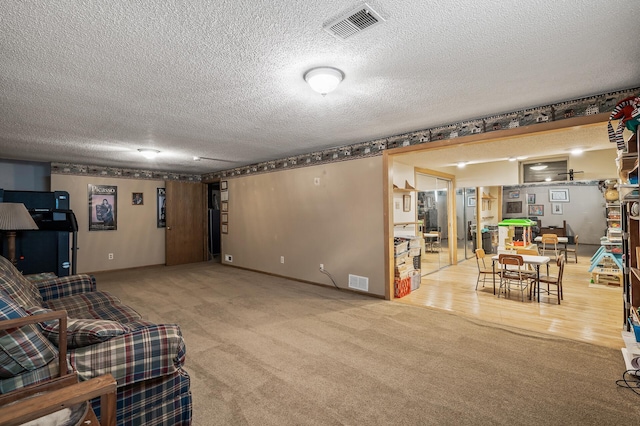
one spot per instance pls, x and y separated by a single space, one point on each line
61 316
33 408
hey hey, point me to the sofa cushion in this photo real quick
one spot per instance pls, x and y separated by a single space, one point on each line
96 305
21 290
80 332
21 349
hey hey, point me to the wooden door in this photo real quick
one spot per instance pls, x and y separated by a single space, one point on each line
186 239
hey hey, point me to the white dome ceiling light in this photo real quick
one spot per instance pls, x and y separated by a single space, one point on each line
324 79
149 154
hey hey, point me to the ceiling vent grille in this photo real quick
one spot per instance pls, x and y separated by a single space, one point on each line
353 22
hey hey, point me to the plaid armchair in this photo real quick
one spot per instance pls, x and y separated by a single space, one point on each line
103 336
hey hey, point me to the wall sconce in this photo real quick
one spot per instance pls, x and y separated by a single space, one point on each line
324 79
14 217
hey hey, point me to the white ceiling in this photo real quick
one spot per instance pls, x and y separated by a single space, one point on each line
91 82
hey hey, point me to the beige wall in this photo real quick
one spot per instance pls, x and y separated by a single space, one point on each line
136 242
337 222
596 165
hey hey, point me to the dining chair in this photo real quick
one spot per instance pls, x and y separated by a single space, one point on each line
483 270
573 250
436 243
555 280
549 241
513 273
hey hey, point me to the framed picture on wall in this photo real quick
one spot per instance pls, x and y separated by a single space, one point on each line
531 198
514 194
137 198
224 228
471 201
556 208
406 203
536 210
161 207
514 207
223 185
559 195
224 218
225 206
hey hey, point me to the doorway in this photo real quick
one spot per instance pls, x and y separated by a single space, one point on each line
466 222
435 212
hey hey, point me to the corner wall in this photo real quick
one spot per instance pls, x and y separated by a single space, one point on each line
337 221
137 241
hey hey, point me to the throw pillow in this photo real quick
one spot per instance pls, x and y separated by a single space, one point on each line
80 332
21 349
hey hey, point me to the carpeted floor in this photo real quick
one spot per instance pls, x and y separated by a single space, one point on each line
263 350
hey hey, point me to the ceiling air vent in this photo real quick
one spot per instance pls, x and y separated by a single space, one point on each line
353 22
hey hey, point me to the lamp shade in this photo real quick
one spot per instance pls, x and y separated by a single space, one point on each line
324 80
15 217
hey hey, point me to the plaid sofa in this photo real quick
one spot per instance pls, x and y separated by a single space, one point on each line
103 336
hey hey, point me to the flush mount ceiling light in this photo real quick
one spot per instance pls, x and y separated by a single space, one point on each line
511 158
461 164
577 151
324 79
538 167
149 154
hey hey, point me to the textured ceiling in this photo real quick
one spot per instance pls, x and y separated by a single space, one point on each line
91 82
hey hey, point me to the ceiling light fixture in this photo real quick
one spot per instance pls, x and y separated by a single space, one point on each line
521 158
149 154
511 158
538 167
461 164
577 151
324 79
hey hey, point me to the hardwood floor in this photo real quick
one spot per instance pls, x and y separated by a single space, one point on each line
588 312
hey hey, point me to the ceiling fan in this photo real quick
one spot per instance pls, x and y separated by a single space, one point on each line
570 173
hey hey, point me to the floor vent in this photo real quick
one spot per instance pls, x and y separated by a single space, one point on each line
353 22
358 283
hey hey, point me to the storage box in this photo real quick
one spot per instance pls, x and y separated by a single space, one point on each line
402 287
415 280
401 247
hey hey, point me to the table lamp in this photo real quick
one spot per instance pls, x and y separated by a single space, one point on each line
14 217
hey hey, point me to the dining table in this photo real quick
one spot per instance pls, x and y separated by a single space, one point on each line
527 259
561 240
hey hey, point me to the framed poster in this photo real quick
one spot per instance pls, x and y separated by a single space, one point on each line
224 185
161 208
536 210
531 198
514 194
225 206
559 195
103 201
224 228
224 218
137 198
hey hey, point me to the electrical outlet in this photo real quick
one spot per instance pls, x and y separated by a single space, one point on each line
281 259
322 266
228 258
110 256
